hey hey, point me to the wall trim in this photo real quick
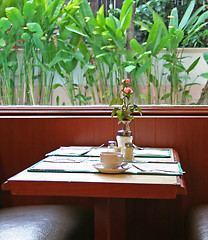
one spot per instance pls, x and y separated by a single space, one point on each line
104 110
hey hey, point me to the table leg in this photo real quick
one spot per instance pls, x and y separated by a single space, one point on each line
110 216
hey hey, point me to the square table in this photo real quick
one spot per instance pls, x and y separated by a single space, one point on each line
109 191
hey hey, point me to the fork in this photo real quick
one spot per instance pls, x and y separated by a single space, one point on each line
158 170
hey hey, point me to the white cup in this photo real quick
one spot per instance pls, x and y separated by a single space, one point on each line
111 159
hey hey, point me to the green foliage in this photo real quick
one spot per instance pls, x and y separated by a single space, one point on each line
58 40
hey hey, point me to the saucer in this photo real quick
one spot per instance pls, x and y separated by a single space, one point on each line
122 168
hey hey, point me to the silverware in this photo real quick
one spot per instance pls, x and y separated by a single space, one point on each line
98 146
139 148
124 165
158 170
166 162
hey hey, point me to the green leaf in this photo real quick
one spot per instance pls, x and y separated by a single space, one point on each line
205 55
201 19
116 40
162 44
120 101
114 112
56 85
204 75
36 29
174 18
142 69
26 37
111 23
100 16
29 11
143 96
2 42
130 68
136 47
193 65
184 77
156 17
15 17
165 96
90 66
191 84
4 25
187 14
143 26
126 14
57 100
76 30
119 34
113 102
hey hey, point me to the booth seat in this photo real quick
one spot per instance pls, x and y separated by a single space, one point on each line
197 223
46 222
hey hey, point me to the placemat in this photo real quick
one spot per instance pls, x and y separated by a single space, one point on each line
95 152
86 166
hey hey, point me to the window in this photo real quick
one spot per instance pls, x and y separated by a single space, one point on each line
73 56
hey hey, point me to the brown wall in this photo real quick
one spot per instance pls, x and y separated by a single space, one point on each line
25 137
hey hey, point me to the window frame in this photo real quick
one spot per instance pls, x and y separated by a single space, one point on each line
104 110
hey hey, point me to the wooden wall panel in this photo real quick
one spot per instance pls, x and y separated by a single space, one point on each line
24 140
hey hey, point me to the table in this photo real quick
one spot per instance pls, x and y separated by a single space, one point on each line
110 192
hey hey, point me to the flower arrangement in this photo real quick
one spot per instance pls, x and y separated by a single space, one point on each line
125 111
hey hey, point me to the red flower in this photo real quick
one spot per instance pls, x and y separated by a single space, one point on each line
128 90
126 81
21 40
91 60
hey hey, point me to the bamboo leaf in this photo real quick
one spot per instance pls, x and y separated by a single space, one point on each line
191 84
4 25
184 77
119 34
56 85
165 96
156 17
174 18
115 39
113 102
187 15
136 47
76 30
29 11
111 23
15 17
204 75
2 42
201 19
205 55
143 26
100 16
193 65
142 69
194 16
126 14
36 29
130 68
162 44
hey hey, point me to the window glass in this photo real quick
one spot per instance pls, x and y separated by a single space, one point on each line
78 53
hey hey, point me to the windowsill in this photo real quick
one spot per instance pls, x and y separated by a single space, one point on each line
100 110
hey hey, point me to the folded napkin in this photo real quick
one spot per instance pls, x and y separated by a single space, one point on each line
70 151
173 168
152 152
45 166
95 152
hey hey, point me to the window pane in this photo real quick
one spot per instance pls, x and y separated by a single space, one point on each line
78 53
